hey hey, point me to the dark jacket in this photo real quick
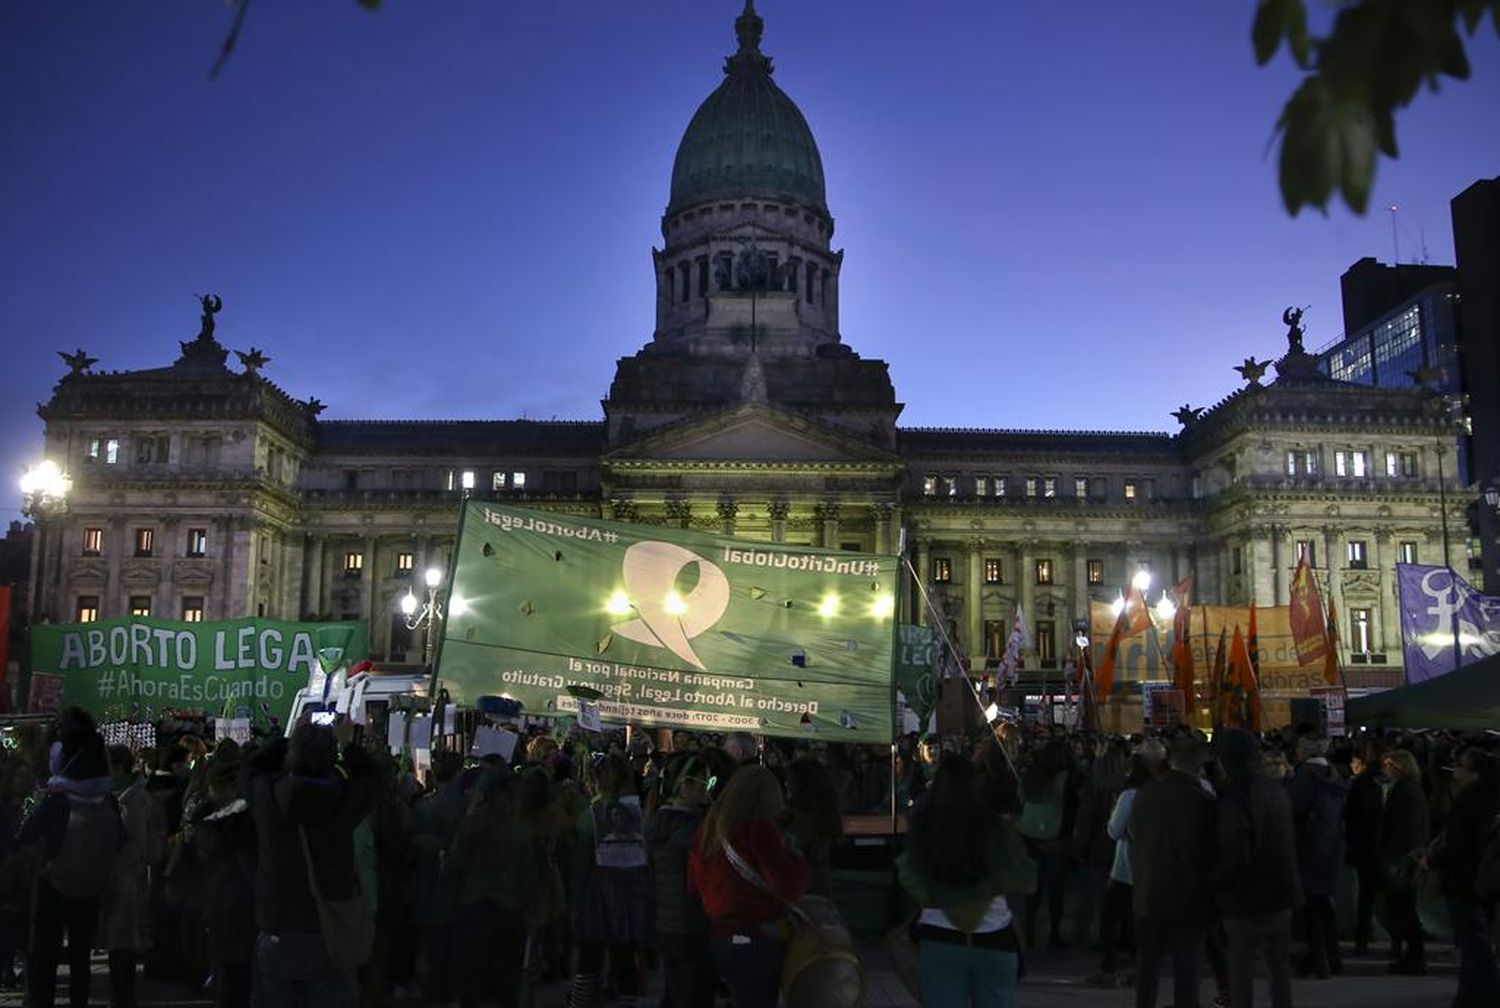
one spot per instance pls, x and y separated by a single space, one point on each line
1363 809
1465 836
1255 869
1403 823
1317 796
1172 831
328 809
225 840
669 840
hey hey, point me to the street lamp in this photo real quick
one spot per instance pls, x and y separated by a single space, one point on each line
44 497
425 616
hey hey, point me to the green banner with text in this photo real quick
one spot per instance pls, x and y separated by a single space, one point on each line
135 667
670 626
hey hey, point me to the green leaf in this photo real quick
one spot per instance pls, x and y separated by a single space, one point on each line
370 4
1327 143
1278 19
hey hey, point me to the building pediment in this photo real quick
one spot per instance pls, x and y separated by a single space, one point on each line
752 433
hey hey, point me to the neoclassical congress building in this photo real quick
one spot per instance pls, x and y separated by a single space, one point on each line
203 491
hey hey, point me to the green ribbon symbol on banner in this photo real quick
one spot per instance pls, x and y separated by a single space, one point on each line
667 618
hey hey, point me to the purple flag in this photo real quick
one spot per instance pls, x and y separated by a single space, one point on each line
1436 606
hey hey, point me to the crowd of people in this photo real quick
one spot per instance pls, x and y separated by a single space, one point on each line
311 870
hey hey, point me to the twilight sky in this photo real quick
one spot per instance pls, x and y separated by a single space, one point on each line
1055 215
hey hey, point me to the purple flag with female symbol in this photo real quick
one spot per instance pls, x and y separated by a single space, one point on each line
1439 608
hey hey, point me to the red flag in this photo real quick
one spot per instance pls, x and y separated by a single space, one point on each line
1182 646
1309 629
1133 619
1332 673
1216 675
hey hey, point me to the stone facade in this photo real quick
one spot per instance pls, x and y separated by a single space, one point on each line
204 492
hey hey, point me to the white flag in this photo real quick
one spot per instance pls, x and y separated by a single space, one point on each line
1010 664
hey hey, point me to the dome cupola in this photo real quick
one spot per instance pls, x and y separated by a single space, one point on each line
747 138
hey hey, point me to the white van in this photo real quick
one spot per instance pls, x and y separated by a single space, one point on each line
364 694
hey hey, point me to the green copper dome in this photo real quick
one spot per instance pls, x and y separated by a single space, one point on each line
747 137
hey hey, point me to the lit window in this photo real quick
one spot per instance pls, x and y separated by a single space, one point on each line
111 451
1080 487
1407 551
406 561
518 481
93 541
1291 463
1307 550
145 541
1341 463
354 561
1095 571
950 486
1359 626
1357 554
1310 462
1044 640
1044 572
942 570
497 481
992 570
192 608
1359 464
197 542
1130 490
1400 464
999 484
929 486
87 610
467 479
1049 486
1031 486
140 605
981 486
96 446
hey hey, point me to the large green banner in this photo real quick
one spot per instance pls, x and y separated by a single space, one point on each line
138 666
671 627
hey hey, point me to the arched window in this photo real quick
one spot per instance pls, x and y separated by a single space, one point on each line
685 269
812 276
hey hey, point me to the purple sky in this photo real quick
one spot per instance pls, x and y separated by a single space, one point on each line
1056 215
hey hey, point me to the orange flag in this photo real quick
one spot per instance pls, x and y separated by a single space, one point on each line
1133 619
1309 629
1182 646
1239 703
1216 686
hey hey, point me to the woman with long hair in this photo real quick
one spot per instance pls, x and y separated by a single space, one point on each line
1116 914
1403 833
813 820
746 874
1046 822
962 860
492 862
1476 799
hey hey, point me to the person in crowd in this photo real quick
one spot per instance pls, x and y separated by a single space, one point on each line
681 927
384 878
17 782
125 926
306 798
77 831
813 821
1456 854
1115 913
1049 805
1171 849
1317 795
1256 885
962 861
1363 809
746 874
434 826
224 837
1404 831
492 862
547 813
611 889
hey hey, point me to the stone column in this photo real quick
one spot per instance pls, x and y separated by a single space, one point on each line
1080 607
1026 573
1387 614
973 614
728 509
115 551
1280 592
368 586
880 514
778 510
828 514
219 604
924 574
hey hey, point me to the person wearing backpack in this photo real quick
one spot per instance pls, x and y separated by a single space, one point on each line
1046 824
78 828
